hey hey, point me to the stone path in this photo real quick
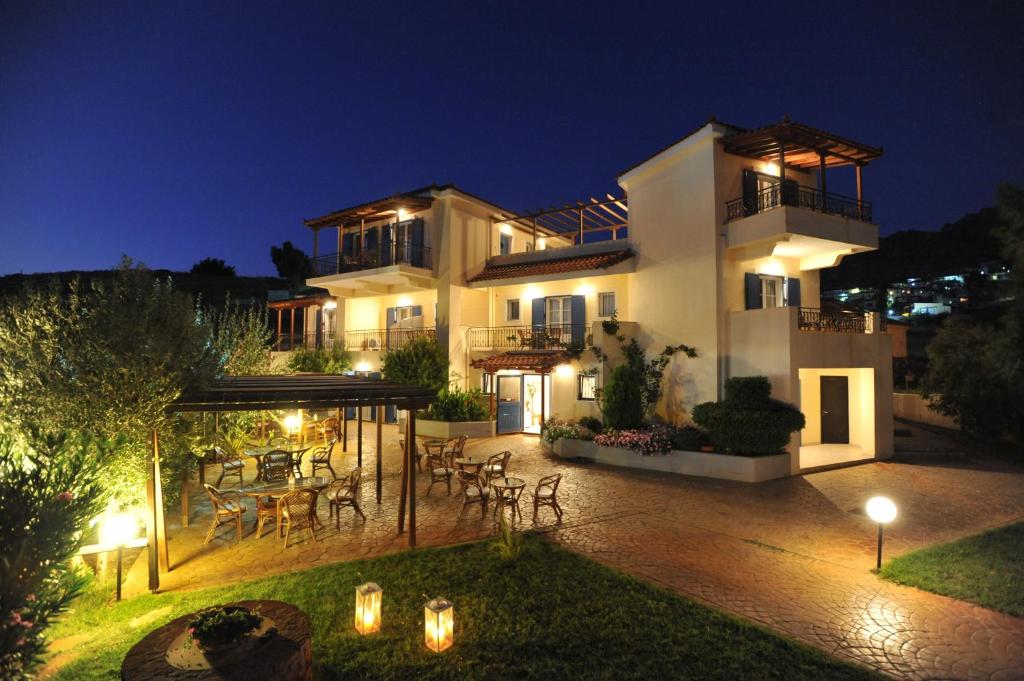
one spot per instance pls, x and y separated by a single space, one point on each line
793 554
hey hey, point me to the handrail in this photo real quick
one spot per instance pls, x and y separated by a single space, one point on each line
385 339
816 319
526 337
397 252
797 196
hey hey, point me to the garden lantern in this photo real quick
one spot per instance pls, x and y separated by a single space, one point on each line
293 422
439 624
117 530
368 600
882 510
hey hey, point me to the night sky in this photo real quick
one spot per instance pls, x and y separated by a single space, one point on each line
188 130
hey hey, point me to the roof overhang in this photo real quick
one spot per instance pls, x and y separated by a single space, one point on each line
805 147
385 208
293 303
400 278
590 260
535 361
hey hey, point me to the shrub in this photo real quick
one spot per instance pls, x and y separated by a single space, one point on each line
48 494
221 625
649 441
591 423
320 361
689 438
422 361
748 421
455 405
621 401
556 429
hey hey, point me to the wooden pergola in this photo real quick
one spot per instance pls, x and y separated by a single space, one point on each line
308 391
607 215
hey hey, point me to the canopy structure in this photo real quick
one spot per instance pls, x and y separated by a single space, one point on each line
799 146
534 361
302 391
609 216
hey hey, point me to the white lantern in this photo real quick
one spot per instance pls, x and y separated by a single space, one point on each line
368 600
439 624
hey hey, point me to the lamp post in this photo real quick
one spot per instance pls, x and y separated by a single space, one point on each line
118 529
882 510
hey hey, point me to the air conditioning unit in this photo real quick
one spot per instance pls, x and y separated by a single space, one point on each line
373 344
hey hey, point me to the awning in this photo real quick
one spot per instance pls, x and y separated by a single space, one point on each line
534 361
595 261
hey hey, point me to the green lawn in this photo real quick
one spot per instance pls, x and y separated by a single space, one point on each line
986 569
548 614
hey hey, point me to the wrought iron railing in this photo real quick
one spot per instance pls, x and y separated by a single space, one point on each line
384 339
287 342
395 253
799 197
547 337
816 319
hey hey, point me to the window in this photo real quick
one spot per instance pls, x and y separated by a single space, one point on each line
772 292
512 309
586 386
505 244
605 304
559 312
487 384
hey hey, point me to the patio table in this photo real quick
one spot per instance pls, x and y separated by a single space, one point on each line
276 490
295 450
507 491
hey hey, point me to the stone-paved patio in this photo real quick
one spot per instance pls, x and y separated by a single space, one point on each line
793 554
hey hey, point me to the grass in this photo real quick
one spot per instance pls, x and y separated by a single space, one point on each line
550 614
985 569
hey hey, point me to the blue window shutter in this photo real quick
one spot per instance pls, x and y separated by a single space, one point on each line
417 310
348 244
540 312
750 198
793 292
392 317
385 246
417 259
578 316
752 291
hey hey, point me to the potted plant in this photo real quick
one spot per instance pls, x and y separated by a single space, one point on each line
223 628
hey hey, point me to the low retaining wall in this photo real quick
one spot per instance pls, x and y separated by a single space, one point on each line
914 407
449 429
702 464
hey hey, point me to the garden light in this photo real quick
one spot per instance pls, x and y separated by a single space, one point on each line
118 529
368 600
882 510
293 422
439 624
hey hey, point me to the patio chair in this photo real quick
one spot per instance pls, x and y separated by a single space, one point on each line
266 509
295 462
279 441
327 429
474 491
497 465
455 447
276 465
224 510
321 458
440 471
229 465
416 452
298 511
546 494
344 492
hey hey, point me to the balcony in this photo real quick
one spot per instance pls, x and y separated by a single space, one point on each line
551 337
395 253
797 196
816 319
363 339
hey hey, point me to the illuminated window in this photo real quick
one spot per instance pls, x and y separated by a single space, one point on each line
512 309
586 386
605 304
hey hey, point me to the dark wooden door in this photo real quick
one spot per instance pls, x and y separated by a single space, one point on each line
835 410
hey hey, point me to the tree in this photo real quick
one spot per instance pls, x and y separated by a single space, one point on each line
242 336
422 361
621 401
213 266
291 262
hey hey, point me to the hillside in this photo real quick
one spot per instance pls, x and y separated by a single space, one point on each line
966 243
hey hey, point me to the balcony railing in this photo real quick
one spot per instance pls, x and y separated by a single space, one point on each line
816 319
384 339
548 337
799 197
287 342
395 253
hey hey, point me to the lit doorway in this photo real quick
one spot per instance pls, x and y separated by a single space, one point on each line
533 402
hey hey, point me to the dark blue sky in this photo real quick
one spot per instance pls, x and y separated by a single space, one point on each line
186 130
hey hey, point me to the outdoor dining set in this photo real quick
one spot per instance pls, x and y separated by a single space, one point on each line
286 497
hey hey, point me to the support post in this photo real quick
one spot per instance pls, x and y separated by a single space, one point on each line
860 190
542 377
359 436
278 328
410 465
878 561
316 242
821 180
362 234
341 245
344 431
404 487
782 167
581 226
380 439
186 480
536 246
120 559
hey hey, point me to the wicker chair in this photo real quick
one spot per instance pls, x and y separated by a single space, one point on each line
456 446
224 510
440 471
345 492
295 462
321 458
546 494
276 465
497 465
229 465
474 491
298 511
327 430
416 452
266 509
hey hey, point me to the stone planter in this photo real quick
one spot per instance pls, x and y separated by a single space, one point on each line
444 430
701 464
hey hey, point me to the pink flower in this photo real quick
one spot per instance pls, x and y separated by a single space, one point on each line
65 496
20 641
26 624
31 598
15 617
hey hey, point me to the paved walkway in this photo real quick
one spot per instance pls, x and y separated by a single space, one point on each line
793 554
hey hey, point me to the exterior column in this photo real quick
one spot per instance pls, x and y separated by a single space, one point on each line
359 436
410 465
860 190
581 228
344 430
341 245
535 245
380 439
542 377
404 486
316 242
821 173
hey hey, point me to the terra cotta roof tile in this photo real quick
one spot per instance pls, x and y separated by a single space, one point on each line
596 261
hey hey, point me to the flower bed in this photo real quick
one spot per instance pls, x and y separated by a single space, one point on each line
648 441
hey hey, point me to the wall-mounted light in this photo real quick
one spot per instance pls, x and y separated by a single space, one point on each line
330 305
584 290
563 370
363 366
542 243
404 301
402 214
505 228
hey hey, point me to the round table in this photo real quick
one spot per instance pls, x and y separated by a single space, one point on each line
279 489
506 492
288 656
294 450
468 463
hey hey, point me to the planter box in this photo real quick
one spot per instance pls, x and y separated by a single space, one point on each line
449 429
702 464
